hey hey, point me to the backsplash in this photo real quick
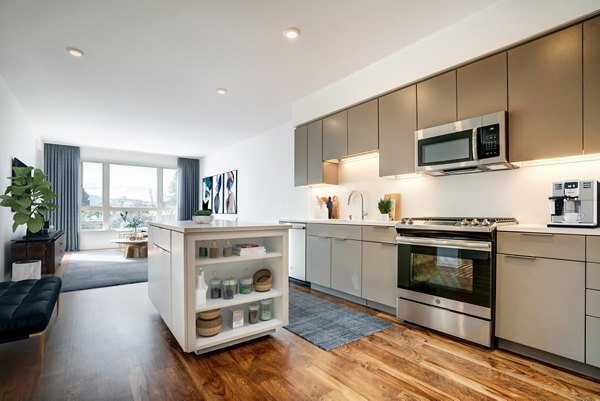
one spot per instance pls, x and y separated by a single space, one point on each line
521 193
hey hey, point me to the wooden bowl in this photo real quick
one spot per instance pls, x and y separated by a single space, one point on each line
209 328
209 314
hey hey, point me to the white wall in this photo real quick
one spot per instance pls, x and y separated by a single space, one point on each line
265 165
503 23
100 239
17 139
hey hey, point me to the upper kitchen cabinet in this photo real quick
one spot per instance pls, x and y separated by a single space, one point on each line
545 97
591 86
363 127
301 156
481 87
318 172
335 136
436 100
397 126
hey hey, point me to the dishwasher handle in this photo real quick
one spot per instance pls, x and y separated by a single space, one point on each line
298 227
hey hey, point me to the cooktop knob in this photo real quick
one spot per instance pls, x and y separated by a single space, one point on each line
485 222
409 221
464 222
403 220
474 222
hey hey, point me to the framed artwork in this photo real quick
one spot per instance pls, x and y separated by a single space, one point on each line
230 192
207 193
217 193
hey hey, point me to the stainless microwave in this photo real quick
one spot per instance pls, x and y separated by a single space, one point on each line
468 146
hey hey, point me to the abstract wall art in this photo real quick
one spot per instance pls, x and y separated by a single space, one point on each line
207 193
217 193
230 192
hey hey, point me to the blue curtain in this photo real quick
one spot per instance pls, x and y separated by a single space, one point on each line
188 187
61 166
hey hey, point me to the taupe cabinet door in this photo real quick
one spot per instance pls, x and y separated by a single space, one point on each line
545 97
397 126
481 87
379 272
436 100
541 303
315 152
318 260
335 136
363 128
591 86
301 156
346 266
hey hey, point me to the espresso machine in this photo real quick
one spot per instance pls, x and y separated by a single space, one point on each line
574 203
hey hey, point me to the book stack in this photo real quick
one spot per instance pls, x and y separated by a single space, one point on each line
248 249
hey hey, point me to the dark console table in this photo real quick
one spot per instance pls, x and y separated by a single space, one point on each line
49 248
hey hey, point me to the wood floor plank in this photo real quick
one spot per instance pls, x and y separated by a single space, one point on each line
110 344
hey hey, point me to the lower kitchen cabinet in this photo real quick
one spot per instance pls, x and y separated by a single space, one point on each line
592 335
318 260
379 272
346 266
159 276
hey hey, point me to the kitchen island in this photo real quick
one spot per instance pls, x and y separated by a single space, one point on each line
176 256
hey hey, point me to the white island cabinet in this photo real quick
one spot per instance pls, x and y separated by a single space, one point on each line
174 263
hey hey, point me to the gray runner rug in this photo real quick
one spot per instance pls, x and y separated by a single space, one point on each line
95 269
326 324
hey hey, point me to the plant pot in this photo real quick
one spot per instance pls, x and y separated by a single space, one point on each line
384 217
29 269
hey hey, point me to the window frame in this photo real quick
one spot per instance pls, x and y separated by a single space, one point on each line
106 209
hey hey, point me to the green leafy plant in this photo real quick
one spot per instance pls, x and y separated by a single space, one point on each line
135 223
207 212
124 217
29 197
384 206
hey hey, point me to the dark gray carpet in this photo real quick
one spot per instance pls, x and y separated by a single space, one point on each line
328 325
95 269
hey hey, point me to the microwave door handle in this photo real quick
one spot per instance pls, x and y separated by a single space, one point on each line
474 144
445 243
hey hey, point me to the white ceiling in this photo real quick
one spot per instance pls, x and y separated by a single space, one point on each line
149 77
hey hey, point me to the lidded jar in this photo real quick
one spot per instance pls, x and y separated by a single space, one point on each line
266 309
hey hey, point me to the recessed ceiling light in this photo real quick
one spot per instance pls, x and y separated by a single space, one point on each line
221 91
75 52
291 33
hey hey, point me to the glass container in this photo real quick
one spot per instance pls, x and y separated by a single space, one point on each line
266 309
216 288
227 250
229 287
214 250
245 285
253 313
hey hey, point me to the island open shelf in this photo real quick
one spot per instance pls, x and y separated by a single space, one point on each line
174 266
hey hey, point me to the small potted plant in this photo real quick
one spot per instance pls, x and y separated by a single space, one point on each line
384 206
203 216
134 223
29 197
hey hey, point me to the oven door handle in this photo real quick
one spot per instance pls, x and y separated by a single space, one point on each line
445 243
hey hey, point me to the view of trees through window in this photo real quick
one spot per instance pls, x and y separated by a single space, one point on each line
116 196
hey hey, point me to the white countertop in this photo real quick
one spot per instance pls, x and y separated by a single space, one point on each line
543 229
341 221
188 226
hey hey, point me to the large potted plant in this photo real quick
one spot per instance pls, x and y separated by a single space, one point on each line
29 197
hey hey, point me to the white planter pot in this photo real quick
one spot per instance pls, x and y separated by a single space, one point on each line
384 217
31 269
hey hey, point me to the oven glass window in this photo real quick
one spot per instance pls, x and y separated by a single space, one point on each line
449 271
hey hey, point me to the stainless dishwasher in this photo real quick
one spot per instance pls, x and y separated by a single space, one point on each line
297 261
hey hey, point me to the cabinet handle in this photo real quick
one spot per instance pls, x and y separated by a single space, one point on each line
384 244
382 227
340 239
539 234
521 257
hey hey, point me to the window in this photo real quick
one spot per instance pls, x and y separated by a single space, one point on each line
113 195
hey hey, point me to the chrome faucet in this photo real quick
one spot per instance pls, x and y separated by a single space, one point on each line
362 204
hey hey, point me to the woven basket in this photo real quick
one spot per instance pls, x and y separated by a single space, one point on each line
262 280
209 314
209 328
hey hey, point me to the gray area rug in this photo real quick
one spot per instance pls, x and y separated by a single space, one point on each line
95 269
326 324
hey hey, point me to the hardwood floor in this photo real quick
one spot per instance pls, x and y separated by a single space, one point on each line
110 344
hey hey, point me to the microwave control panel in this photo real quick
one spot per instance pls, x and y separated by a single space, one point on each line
488 141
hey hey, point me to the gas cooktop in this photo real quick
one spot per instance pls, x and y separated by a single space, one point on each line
485 224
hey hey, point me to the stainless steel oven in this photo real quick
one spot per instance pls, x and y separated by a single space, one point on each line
446 272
